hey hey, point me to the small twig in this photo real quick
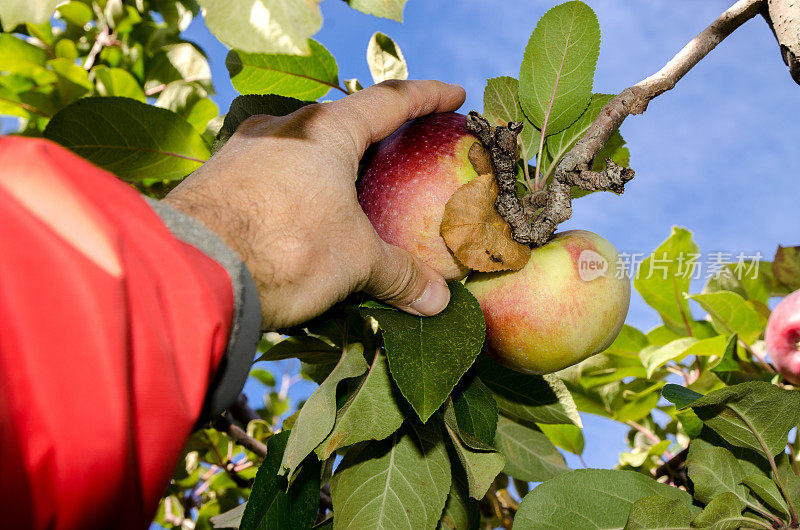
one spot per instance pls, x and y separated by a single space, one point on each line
99 42
650 435
224 424
793 454
501 143
633 100
242 412
497 509
674 469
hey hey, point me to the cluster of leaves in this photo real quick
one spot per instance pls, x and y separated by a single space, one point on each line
114 81
553 96
720 439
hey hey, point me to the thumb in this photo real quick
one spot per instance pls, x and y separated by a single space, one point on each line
401 280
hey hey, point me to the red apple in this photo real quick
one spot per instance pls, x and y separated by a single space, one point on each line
568 303
408 181
782 337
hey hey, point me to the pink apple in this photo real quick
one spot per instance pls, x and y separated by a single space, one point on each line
568 303
408 181
782 337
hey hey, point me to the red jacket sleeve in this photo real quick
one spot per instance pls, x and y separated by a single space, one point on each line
111 330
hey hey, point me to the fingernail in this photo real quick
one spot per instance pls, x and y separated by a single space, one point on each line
433 299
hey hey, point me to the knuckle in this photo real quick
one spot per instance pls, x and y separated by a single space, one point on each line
253 123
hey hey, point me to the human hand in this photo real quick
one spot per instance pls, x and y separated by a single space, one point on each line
281 192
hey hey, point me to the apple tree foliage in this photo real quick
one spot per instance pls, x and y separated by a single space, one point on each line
411 426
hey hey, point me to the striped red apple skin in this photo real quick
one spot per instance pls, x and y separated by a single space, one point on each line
782 337
559 309
408 180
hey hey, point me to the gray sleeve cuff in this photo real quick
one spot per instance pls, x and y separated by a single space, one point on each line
246 326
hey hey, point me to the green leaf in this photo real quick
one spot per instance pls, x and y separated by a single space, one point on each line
263 26
22 58
428 355
528 398
299 76
316 419
352 85
15 12
714 470
201 113
10 104
658 511
270 504
558 145
635 400
460 511
399 482
263 376
230 519
640 454
590 498
728 362
567 437
723 512
529 454
691 424
786 266
72 80
744 414
178 62
129 138
628 343
654 357
392 9
749 279
681 396
76 13
766 490
481 464
661 335
308 349
599 370
663 279
385 59
614 149
557 72
245 106
371 413
117 82
501 105
476 412
790 479
730 313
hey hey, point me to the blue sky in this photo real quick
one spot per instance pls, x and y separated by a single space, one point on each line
715 155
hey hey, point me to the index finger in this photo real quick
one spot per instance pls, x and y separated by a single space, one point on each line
374 113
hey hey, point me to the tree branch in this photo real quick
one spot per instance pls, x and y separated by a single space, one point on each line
501 143
224 424
574 167
242 412
783 17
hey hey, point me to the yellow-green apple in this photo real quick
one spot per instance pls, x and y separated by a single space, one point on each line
782 337
568 303
408 180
